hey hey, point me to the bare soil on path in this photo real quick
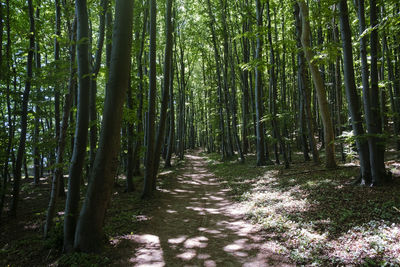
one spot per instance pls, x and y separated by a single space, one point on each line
195 223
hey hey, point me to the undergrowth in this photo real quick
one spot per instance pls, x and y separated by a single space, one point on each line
317 216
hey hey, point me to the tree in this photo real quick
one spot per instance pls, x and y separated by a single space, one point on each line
370 94
24 111
81 129
319 86
88 234
59 171
352 95
149 181
165 87
258 88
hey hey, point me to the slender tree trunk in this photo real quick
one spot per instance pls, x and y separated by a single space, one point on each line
234 109
394 100
81 129
305 88
246 96
226 84
371 116
58 175
258 88
171 136
274 96
5 171
89 234
57 86
24 113
130 136
329 135
352 95
36 153
338 90
380 175
93 84
150 130
219 82
165 90
139 125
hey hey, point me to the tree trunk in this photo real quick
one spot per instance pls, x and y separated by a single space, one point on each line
150 130
219 82
58 175
234 108
351 92
24 113
171 136
274 96
329 135
130 136
394 99
81 129
57 86
36 132
139 124
88 236
376 158
10 138
93 84
258 88
165 90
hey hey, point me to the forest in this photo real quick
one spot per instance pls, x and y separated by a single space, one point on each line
199 133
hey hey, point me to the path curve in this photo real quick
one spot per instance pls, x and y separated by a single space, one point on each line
197 224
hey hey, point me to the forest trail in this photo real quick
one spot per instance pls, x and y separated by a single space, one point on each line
197 224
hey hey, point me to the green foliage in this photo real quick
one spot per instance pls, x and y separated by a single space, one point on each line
83 259
55 238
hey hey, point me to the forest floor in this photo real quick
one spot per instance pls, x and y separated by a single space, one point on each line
213 213
197 224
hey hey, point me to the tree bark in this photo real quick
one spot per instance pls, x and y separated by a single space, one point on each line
258 88
329 135
139 124
58 175
219 82
24 113
351 92
93 84
165 90
88 236
149 163
81 129
36 131
376 161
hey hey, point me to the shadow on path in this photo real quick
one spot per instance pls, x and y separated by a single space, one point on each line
196 224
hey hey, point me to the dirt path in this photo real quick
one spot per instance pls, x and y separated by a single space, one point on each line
196 224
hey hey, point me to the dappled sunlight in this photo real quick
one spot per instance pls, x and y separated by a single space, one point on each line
315 216
149 252
366 241
296 216
197 224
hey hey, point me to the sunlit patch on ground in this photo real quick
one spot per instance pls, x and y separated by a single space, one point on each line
197 224
317 216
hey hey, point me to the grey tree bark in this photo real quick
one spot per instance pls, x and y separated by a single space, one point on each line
329 135
88 236
165 90
351 92
81 129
